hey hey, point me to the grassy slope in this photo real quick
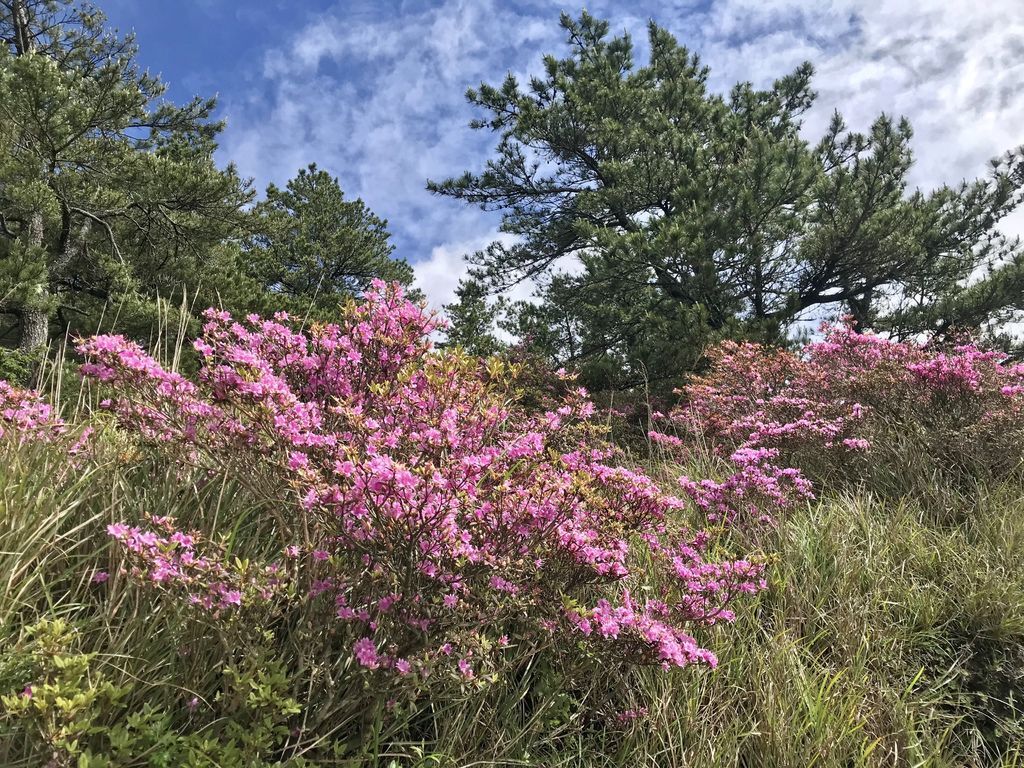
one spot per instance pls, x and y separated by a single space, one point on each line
884 640
892 634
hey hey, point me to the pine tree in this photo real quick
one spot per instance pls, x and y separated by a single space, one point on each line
109 195
473 318
311 249
690 216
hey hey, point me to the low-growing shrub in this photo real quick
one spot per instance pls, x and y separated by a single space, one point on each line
856 407
71 714
431 530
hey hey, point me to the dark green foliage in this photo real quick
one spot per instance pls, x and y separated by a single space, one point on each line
690 217
17 367
109 194
311 248
473 318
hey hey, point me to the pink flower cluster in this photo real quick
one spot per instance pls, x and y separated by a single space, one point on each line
26 417
430 509
844 396
629 715
164 556
754 493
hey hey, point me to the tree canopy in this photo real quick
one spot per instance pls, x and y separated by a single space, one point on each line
110 197
310 248
473 317
688 216
109 194
654 215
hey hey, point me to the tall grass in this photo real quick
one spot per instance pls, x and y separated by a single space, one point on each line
891 635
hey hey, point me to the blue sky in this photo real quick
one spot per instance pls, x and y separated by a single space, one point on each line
373 91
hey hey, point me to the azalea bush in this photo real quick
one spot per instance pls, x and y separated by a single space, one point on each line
416 500
26 417
854 404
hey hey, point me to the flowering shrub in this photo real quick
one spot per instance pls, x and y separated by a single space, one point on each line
163 555
439 519
753 493
854 401
25 416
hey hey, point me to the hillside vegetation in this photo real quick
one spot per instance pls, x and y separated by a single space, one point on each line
259 506
343 547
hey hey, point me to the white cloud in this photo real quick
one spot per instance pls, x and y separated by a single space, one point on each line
438 275
377 99
954 68
380 103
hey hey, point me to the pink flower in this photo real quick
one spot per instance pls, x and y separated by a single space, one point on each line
366 653
100 577
629 715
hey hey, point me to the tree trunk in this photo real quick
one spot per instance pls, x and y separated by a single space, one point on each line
35 329
860 309
22 36
35 320
34 317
